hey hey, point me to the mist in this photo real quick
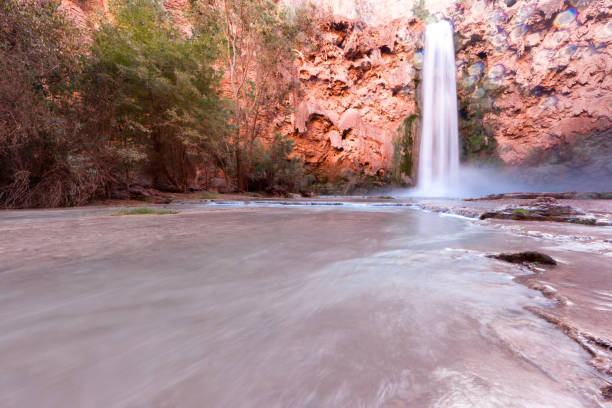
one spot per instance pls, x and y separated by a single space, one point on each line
474 181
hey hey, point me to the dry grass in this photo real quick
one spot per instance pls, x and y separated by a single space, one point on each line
208 195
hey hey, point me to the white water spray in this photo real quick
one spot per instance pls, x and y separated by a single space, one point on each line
439 151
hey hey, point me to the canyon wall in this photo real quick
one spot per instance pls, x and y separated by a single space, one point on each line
547 68
372 12
357 85
540 69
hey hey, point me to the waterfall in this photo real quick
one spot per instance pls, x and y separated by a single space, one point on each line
439 149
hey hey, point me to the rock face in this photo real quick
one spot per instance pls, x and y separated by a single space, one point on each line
551 61
540 67
356 88
545 209
83 12
372 12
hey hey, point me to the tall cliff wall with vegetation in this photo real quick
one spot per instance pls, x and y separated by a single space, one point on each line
260 97
533 76
144 95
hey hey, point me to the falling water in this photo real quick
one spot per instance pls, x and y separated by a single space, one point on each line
439 153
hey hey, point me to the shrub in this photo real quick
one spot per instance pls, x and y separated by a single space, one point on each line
419 9
208 195
274 168
44 163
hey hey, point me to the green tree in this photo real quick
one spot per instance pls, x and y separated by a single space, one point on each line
259 51
160 88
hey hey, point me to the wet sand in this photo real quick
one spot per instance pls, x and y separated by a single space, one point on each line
252 306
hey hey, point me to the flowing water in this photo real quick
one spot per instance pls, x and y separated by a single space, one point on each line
439 149
265 306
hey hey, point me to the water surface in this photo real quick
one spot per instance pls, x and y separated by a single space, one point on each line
273 307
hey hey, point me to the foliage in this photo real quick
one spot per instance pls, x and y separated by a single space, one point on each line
142 100
521 211
44 163
275 169
419 10
403 149
143 211
259 41
476 135
476 119
160 89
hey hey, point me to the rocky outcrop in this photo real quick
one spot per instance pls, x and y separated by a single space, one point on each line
545 209
547 67
563 196
357 85
371 12
540 68
84 12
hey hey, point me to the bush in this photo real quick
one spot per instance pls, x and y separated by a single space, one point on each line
43 162
419 10
275 169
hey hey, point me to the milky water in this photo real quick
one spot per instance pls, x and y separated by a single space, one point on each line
273 307
439 149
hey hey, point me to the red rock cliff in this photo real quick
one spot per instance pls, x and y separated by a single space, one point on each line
545 64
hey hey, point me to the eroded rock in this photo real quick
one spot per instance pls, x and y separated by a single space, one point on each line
544 209
530 257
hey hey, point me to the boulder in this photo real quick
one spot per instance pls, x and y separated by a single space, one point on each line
530 257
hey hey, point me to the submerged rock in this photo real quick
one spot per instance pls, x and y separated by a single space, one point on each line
526 257
606 392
